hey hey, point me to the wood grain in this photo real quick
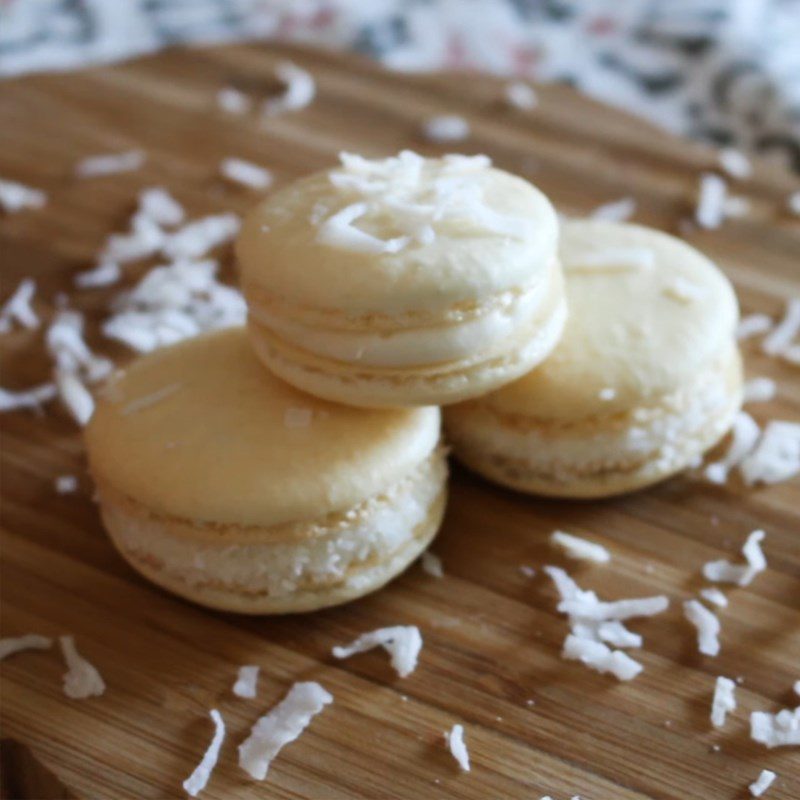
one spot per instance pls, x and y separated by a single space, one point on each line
492 637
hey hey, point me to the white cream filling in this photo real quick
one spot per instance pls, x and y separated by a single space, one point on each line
658 435
411 347
279 569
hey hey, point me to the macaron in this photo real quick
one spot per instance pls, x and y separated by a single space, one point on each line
223 484
645 379
403 281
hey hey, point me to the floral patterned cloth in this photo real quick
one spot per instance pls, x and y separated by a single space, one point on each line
726 71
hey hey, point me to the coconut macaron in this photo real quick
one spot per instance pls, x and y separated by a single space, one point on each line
218 481
645 379
404 281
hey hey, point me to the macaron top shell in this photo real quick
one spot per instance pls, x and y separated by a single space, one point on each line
634 333
201 430
491 232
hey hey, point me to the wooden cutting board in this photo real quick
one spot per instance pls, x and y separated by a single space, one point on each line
534 724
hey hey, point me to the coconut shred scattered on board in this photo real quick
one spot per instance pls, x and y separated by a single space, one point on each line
18 308
707 626
454 739
246 681
81 680
30 641
520 95
446 128
299 91
762 783
197 781
724 700
402 642
579 548
776 730
432 564
110 164
16 197
282 725
246 173
617 211
723 571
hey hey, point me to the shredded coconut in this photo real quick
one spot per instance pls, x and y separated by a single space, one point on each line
338 231
617 211
18 308
144 239
588 607
196 238
745 433
715 597
30 641
762 783
724 701
81 680
69 351
776 730
281 726
796 687
232 101
432 564
707 626
753 325
710 210
446 128
65 484
105 273
297 417
402 642
759 390
246 681
157 204
723 571
246 173
27 398
299 93
16 196
197 781
781 337
528 572
682 290
110 164
613 259
77 399
793 203
580 549
735 163
776 457
521 95
600 657
454 738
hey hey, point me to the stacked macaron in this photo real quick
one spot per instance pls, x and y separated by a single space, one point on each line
299 464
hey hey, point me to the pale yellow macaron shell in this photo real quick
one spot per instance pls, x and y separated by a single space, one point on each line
278 251
636 335
198 431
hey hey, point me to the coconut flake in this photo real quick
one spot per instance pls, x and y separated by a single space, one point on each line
432 564
683 290
105 273
613 259
402 642
77 399
762 783
710 210
246 681
527 571
793 203
232 101
786 330
521 95
722 571
707 625
281 726
30 641
27 398
735 163
17 196
65 484
589 608
579 548
157 204
776 730
109 164
759 390
454 738
753 325
246 173
617 211
81 680
68 349
196 238
776 457
144 239
745 433
715 597
724 700
297 417
299 93
446 128
338 231
18 308
197 781
612 632
600 657
796 688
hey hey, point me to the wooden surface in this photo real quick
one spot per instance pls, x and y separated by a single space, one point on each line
492 637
